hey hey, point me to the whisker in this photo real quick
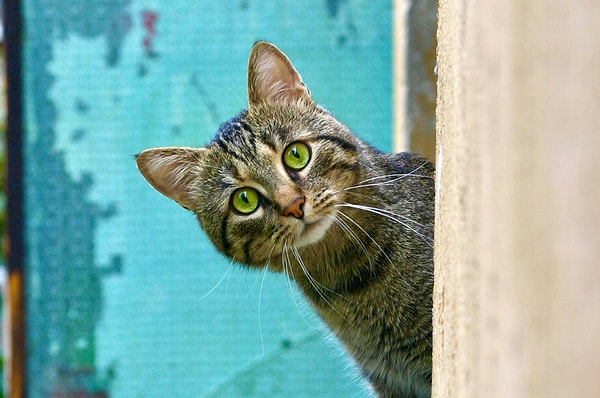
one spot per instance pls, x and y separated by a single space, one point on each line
391 213
288 270
315 284
308 275
367 234
407 219
205 295
312 281
268 262
262 283
342 224
400 274
367 198
395 177
402 175
392 216
264 274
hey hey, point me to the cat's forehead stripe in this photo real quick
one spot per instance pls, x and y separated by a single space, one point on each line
224 240
228 148
344 144
232 139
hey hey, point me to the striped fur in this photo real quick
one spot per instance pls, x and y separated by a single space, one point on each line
360 245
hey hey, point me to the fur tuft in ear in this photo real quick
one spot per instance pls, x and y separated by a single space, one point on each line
171 171
272 77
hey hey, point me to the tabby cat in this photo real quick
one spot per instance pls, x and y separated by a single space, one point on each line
285 185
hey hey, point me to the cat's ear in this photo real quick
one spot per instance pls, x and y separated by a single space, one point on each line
172 171
272 77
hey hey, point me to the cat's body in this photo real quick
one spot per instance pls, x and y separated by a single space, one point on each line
285 185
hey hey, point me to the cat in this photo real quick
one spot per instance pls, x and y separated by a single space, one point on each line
285 185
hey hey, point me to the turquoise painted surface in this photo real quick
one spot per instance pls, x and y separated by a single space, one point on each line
126 297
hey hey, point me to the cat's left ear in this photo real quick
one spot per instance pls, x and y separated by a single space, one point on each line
272 77
172 171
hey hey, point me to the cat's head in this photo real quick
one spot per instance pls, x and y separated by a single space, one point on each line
272 176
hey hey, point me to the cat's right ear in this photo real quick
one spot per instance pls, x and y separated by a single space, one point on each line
272 77
172 171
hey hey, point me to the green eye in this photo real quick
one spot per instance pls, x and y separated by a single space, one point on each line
245 200
296 156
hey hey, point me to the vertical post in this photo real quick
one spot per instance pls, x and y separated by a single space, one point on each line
15 365
399 75
518 225
414 76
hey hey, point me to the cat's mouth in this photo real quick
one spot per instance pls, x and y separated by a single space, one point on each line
313 232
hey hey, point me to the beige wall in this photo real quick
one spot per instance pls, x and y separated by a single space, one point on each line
517 294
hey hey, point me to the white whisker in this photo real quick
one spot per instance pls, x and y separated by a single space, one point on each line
392 216
342 224
315 284
400 274
394 177
262 282
218 283
287 269
391 213
368 235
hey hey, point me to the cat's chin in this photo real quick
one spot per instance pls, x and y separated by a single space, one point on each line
313 232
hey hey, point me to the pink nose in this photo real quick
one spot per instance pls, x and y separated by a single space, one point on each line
294 209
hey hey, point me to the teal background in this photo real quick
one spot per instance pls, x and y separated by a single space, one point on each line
125 295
